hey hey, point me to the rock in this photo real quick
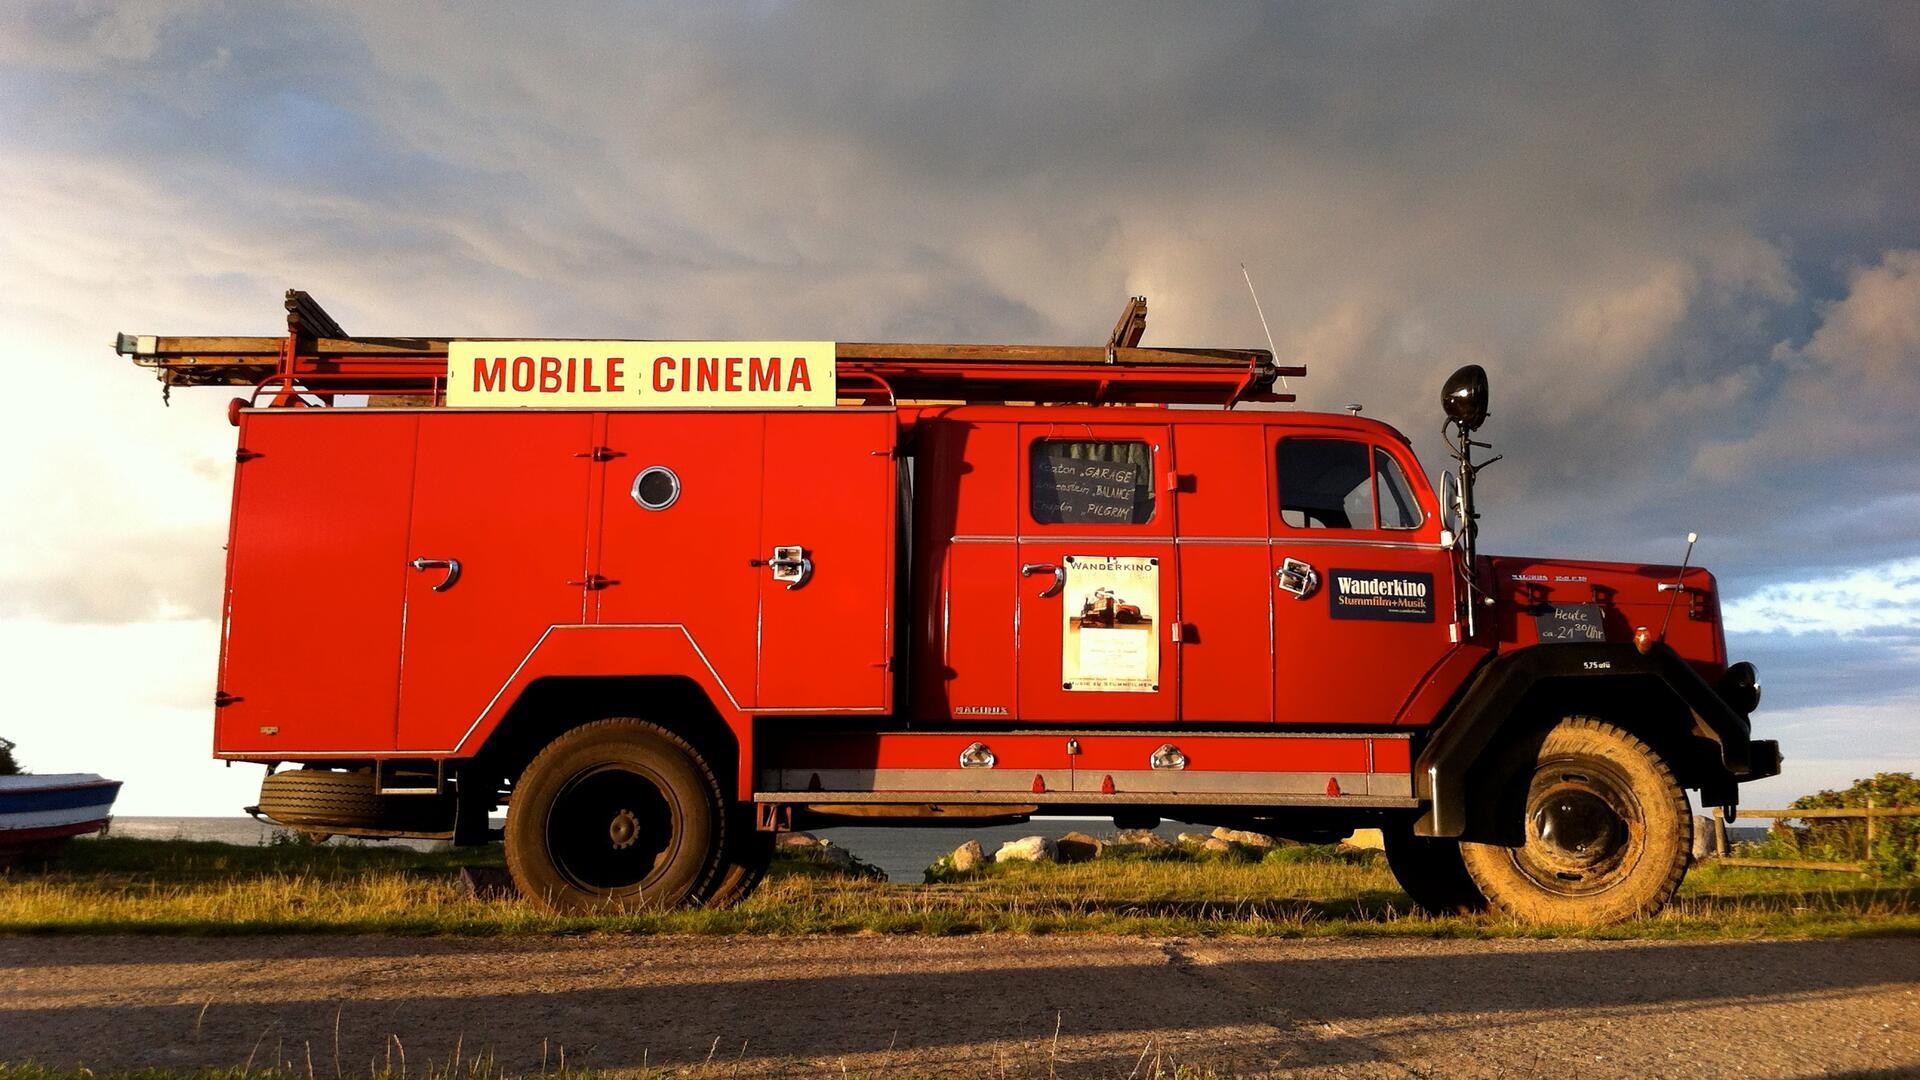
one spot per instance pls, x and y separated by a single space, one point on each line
488 883
1702 837
1257 841
1214 843
798 840
969 856
833 853
1078 847
1142 840
1028 849
1372 839
1193 839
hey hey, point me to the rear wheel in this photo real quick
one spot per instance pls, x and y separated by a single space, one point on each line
1604 829
744 861
1432 872
616 815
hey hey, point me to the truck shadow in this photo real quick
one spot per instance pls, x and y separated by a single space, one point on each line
617 1003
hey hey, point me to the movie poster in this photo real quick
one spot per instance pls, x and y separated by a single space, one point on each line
1112 606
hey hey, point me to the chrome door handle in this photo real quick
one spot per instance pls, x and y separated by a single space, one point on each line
791 565
451 566
1059 576
1297 577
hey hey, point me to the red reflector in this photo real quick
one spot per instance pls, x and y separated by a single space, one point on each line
1039 784
1333 786
1106 786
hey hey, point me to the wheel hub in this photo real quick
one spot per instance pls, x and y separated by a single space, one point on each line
623 830
1583 831
1577 823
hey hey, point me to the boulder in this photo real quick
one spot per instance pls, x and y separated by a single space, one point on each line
834 854
1214 843
1078 847
1141 840
1702 837
1372 839
1193 839
1257 841
798 840
1028 849
969 856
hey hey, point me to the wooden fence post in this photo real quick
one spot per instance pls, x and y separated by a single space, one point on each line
1869 828
1720 832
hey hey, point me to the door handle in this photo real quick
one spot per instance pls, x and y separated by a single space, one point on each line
451 566
1059 576
1296 576
791 565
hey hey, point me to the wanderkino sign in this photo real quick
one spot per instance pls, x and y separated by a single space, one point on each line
640 374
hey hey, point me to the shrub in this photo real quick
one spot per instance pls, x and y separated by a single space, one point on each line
1896 843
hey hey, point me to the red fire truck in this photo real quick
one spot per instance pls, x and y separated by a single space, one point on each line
661 600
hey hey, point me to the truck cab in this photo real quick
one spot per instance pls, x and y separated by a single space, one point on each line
660 621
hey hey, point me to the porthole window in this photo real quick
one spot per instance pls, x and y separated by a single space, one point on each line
656 488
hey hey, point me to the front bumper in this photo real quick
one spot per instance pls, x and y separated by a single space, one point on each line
1763 760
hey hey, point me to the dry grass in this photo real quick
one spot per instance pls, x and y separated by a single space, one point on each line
135 886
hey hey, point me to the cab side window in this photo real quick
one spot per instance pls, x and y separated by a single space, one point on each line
1090 482
1398 508
1325 484
1340 484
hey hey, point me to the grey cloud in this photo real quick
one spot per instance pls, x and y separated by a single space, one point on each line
1679 236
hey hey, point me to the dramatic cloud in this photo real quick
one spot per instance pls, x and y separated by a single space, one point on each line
1685 240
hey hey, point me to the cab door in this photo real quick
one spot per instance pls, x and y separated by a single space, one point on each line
1097 580
1362 588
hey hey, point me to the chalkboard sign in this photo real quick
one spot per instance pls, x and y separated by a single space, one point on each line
1091 483
1570 622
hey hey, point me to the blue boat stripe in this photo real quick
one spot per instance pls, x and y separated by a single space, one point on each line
29 802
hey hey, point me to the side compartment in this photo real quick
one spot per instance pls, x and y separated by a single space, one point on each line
316 572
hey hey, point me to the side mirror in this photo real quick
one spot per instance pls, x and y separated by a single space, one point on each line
1464 397
1450 502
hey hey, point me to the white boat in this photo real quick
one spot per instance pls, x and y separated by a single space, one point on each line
38 810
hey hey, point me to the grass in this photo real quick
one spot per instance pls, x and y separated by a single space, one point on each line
188 887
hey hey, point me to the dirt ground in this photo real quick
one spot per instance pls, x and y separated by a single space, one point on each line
986 1005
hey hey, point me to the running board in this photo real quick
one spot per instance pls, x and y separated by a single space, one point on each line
1083 798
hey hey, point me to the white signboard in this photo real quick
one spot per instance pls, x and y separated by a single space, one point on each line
1111 638
640 374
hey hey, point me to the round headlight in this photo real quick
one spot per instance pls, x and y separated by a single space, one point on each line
1740 687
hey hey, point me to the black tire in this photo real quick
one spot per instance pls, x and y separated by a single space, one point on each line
1432 872
305 798
744 862
616 815
1603 830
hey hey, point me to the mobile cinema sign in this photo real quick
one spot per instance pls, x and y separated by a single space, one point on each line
640 374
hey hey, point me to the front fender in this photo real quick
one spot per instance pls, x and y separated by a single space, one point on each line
1498 691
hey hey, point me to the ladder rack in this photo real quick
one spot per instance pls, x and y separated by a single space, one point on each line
320 361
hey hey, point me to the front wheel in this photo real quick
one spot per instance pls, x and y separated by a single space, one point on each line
616 815
1604 830
1431 871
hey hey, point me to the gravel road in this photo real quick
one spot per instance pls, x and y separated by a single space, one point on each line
972 1005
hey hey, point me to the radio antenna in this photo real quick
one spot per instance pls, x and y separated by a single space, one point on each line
1678 585
1263 323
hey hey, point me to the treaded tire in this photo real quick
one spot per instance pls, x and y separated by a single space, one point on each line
615 815
1432 871
304 798
744 862
1644 852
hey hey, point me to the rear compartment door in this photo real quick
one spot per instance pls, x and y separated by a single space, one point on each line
827 530
503 494
310 652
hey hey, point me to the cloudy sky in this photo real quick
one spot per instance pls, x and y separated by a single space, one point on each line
1684 241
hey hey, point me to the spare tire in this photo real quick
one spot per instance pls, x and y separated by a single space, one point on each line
309 797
